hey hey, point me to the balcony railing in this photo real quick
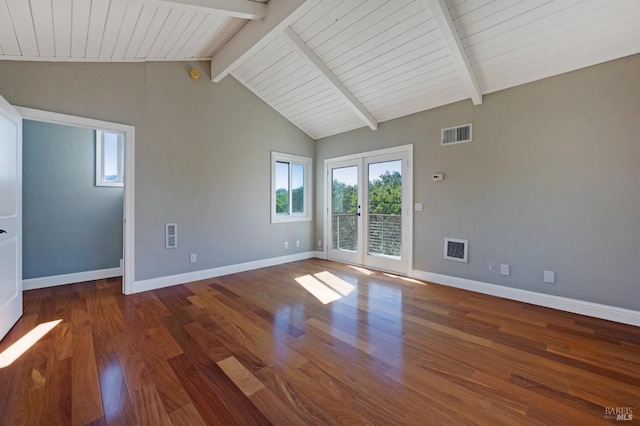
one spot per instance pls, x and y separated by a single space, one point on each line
384 233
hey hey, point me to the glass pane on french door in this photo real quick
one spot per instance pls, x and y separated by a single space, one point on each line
344 208
384 213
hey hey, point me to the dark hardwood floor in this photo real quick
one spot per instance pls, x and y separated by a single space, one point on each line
258 348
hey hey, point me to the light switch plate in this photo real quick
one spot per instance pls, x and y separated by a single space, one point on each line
504 269
549 277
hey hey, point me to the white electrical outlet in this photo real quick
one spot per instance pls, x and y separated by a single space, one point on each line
319 243
286 244
504 269
193 257
549 277
297 243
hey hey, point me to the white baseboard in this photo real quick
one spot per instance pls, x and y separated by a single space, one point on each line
611 313
320 255
77 277
155 283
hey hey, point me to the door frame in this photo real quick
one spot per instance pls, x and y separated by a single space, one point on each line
128 273
404 149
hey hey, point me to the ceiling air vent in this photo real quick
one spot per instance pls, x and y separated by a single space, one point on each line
171 235
455 249
458 134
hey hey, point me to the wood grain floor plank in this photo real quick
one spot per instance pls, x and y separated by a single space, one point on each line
202 376
167 384
57 399
345 337
239 375
204 396
116 400
186 416
149 408
86 400
257 348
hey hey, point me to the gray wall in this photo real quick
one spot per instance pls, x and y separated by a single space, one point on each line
550 181
69 224
202 155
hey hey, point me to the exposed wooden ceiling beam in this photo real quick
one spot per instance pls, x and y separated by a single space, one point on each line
244 9
445 22
256 34
316 63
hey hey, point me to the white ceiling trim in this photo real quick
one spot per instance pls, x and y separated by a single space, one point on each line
255 35
450 34
318 66
234 8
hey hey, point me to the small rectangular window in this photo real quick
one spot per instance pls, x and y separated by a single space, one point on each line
290 188
109 158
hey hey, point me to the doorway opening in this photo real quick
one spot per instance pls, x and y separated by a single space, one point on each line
128 142
368 219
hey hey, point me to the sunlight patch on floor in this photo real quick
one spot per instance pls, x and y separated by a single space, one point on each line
407 279
337 283
325 286
361 269
318 289
13 352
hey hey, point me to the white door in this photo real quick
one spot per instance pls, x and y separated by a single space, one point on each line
369 210
10 216
386 213
345 204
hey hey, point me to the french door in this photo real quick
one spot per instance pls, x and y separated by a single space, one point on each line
10 216
369 215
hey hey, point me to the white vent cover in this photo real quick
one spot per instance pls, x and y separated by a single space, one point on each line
455 249
458 134
171 235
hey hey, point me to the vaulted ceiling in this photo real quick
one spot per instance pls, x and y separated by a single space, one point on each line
331 66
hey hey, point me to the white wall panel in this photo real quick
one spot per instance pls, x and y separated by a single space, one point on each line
116 14
127 27
186 18
143 25
23 25
8 41
182 45
43 25
62 25
202 35
151 35
80 13
97 22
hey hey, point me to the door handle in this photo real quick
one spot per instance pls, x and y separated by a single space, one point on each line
358 214
2 231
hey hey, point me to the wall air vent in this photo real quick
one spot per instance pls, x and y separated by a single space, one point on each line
171 235
458 134
455 249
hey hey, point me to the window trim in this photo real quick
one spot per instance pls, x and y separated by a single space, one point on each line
307 163
100 161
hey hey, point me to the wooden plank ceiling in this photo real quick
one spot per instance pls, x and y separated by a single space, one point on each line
117 30
330 66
